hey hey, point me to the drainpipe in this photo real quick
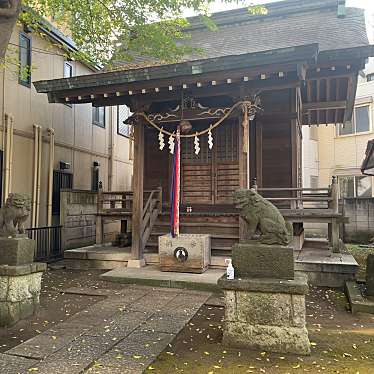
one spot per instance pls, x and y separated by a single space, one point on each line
51 134
40 145
11 154
8 154
111 151
35 176
5 140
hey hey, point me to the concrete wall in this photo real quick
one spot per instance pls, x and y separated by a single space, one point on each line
78 218
78 141
360 228
310 163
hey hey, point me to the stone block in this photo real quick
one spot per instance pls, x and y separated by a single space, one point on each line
185 253
370 275
16 251
19 293
266 314
256 260
297 286
6 270
3 288
267 338
24 287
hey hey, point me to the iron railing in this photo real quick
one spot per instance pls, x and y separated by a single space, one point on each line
48 243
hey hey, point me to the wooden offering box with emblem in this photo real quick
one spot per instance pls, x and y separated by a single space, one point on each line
187 253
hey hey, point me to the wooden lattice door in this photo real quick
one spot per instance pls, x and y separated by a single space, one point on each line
226 163
213 175
197 176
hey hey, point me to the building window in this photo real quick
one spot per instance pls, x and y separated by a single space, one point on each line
355 186
360 122
68 69
24 60
98 116
370 77
123 112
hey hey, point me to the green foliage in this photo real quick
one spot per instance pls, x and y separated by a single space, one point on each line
110 30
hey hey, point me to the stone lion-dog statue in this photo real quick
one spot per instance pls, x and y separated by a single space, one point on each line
14 214
263 217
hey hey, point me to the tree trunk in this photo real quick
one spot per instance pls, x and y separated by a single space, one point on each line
8 19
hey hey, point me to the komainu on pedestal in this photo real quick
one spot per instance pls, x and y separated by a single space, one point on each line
265 303
20 276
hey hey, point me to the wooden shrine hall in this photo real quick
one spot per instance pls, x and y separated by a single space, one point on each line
242 103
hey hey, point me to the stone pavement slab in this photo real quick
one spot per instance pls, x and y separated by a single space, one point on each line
15 365
121 334
135 352
152 276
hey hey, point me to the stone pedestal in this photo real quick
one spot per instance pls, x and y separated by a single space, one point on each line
19 291
16 251
20 279
254 260
188 253
266 314
265 303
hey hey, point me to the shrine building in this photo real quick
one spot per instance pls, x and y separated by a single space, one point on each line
240 105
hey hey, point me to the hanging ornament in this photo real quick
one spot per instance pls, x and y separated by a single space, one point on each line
161 139
171 144
210 138
197 145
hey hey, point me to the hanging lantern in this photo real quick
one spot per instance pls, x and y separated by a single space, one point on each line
210 138
171 144
197 145
161 140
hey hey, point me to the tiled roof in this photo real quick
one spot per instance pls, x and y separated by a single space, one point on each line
288 23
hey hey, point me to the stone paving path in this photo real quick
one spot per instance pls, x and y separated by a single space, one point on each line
120 334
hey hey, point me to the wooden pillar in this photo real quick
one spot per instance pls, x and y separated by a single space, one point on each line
137 206
259 154
243 176
243 156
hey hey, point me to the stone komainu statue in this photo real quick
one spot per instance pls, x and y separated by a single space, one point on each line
261 215
14 214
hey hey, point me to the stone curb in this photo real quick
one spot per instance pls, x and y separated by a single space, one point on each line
298 286
35 267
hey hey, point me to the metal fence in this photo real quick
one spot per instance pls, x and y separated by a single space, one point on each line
48 243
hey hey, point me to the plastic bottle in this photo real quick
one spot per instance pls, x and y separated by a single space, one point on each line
230 271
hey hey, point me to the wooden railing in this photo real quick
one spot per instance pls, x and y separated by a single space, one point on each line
119 205
152 208
303 198
114 202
